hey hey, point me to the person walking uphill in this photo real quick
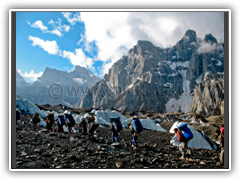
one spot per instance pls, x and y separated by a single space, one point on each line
221 146
82 126
115 127
50 121
135 127
69 121
60 122
183 143
35 120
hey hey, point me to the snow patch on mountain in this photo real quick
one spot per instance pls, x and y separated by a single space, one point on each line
184 103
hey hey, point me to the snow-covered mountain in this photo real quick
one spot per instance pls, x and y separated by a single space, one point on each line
158 79
60 87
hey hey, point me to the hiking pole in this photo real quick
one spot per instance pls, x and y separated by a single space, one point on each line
173 142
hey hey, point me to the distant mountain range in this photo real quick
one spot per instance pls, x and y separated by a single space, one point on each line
57 87
158 79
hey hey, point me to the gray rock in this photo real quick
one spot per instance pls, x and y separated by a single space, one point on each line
209 95
116 144
149 76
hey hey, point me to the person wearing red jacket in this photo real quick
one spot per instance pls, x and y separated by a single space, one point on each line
183 143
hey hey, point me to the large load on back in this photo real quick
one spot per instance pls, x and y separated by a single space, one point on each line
117 123
50 118
137 126
187 133
90 119
62 120
91 125
70 119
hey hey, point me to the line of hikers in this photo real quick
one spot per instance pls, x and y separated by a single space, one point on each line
87 127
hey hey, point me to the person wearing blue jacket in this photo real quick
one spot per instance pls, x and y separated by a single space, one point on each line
114 131
70 121
134 134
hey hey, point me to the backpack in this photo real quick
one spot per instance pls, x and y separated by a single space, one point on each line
90 119
61 120
117 123
137 126
36 119
50 118
70 119
187 133
92 127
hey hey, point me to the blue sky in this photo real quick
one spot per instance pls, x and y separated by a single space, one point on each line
46 39
96 40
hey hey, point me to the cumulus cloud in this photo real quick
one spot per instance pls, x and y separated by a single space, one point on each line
30 76
57 25
112 30
78 58
72 18
58 28
39 24
50 46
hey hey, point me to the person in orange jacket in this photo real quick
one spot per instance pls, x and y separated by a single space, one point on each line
183 143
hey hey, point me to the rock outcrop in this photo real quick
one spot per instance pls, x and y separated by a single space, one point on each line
209 96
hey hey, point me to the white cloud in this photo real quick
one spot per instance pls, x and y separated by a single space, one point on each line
208 47
112 30
72 18
78 58
50 46
39 24
66 27
30 76
58 28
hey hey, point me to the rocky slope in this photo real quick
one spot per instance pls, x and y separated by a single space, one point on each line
59 87
209 96
157 79
41 149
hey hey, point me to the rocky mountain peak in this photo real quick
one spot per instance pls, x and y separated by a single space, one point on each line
210 38
155 78
190 35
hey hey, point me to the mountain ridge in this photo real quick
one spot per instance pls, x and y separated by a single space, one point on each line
172 73
70 85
